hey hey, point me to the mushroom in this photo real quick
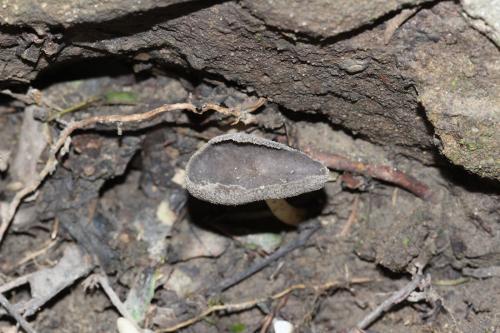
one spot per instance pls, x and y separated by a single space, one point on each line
239 168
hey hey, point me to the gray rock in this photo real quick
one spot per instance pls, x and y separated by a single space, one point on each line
484 15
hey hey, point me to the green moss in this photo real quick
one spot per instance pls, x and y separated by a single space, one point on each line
238 328
214 301
454 83
470 145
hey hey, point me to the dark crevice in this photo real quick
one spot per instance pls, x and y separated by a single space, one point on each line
437 159
79 69
377 22
309 38
295 116
423 116
112 183
13 30
133 23
114 66
459 176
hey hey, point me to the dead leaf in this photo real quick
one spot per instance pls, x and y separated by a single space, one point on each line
45 284
267 241
194 242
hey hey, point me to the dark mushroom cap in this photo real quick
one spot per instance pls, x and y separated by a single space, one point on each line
238 168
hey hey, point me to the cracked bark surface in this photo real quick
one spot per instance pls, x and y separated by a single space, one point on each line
342 70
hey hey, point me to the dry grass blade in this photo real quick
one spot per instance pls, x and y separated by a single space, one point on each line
252 303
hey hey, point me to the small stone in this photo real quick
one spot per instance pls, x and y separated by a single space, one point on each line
353 66
125 326
282 326
89 170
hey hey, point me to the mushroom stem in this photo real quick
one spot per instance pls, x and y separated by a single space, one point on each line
285 212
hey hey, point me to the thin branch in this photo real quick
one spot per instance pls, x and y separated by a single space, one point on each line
15 283
269 318
115 300
300 241
240 112
394 23
32 255
381 172
396 298
12 311
234 307
352 218
35 304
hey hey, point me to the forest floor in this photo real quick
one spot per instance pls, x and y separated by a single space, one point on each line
99 119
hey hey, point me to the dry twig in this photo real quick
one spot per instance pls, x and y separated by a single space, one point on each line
6 110
394 23
396 298
12 311
250 304
352 218
304 235
46 283
103 281
241 112
15 283
32 255
381 172
269 318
